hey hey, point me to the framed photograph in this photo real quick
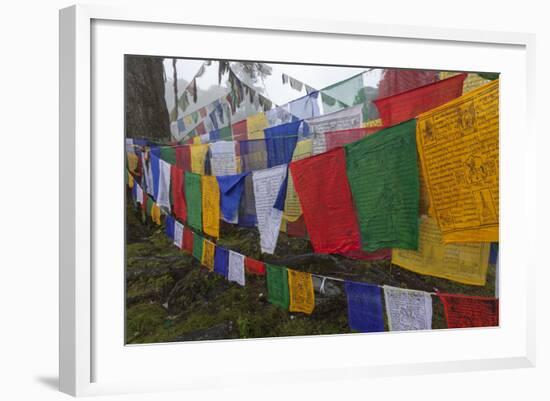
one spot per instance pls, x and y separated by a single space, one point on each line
290 199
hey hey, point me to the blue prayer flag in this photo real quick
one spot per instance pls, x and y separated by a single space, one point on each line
364 307
181 125
221 261
231 189
169 226
155 170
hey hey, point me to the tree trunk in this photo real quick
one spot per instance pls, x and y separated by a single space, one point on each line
146 112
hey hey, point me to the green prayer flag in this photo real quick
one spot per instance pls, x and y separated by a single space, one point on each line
277 286
168 154
149 207
197 246
193 197
226 134
383 174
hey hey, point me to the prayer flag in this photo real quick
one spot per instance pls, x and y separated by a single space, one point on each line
221 261
255 125
301 296
210 206
466 311
223 159
404 106
155 173
383 176
408 309
240 130
395 81
177 187
306 106
364 307
277 286
458 145
183 157
178 233
163 198
326 202
188 240
208 251
236 268
231 189
293 210
155 214
169 227
267 184
254 266
193 199
198 156
465 263
334 139
197 246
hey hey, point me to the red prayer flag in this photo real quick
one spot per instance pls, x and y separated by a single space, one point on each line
296 228
183 157
466 311
254 266
200 129
177 186
335 139
188 240
396 81
239 130
325 196
406 105
203 112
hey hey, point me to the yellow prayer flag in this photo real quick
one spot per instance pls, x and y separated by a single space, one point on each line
293 210
155 214
210 206
198 155
302 298
196 140
458 145
255 125
188 120
132 161
465 263
208 251
130 180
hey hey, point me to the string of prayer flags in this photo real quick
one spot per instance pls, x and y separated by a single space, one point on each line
169 223
193 199
383 176
210 206
221 261
364 307
177 186
466 311
293 210
236 268
404 106
255 125
464 263
163 198
223 158
188 239
253 266
301 296
208 252
231 189
458 146
198 155
326 201
408 309
197 247
178 233
267 184
277 286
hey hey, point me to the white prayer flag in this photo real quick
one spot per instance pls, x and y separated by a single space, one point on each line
164 184
267 184
223 159
178 234
235 270
408 309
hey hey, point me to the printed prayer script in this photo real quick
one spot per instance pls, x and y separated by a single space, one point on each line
458 144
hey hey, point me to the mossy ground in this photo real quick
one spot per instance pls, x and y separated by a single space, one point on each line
170 297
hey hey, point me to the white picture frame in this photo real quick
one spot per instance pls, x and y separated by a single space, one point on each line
87 351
